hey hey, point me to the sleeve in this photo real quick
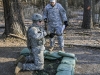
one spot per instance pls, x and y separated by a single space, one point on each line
37 34
45 13
62 12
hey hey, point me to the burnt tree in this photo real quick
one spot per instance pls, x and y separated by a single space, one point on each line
14 24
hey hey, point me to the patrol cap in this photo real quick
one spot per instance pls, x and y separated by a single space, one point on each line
52 0
37 17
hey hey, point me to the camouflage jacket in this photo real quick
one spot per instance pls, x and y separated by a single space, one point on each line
55 15
35 36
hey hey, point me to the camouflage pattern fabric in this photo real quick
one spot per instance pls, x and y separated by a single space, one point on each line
38 59
56 16
35 42
35 36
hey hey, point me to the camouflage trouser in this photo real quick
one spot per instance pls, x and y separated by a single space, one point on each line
38 58
59 31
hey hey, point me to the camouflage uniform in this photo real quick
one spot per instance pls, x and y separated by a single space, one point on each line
55 16
35 42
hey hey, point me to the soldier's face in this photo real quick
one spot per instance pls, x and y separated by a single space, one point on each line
39 23
52 3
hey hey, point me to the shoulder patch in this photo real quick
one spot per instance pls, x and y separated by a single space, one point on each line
33 29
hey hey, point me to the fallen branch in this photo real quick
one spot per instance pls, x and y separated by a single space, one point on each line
13 35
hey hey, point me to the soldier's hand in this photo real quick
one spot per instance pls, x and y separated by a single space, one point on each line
52 35
45 20
30 47
65 23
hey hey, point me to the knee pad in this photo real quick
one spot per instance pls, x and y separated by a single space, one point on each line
59 34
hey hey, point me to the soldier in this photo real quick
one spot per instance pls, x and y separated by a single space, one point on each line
55 15
35 42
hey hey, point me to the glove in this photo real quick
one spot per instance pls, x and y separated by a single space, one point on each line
45 20
65 23
52 35
29 47
47 36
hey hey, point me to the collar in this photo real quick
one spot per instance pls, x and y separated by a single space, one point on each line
53 6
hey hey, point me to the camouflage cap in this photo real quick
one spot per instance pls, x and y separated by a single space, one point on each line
52 0
37 17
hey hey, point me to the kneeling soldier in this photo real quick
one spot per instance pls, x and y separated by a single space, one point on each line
35 43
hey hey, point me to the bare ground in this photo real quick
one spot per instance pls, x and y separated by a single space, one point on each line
85 44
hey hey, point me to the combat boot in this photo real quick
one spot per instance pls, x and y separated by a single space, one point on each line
62 49
51 49
18 67
20 59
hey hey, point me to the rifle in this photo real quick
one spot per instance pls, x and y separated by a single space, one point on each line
45 26
46 29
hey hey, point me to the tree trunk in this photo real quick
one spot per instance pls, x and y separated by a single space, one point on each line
14 24
87 16
93 3
99 17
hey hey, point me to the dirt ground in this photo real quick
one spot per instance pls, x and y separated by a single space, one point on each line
85 44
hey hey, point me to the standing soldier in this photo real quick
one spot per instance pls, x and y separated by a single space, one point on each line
35 43
55 15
